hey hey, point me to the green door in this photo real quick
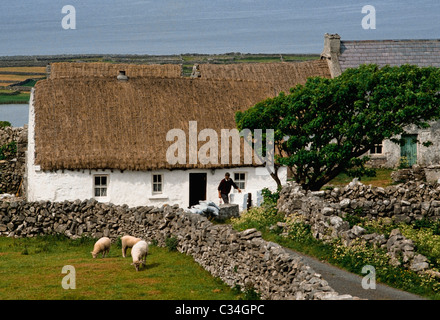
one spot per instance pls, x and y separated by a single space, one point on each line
408 148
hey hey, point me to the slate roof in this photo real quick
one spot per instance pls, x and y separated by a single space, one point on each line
389 52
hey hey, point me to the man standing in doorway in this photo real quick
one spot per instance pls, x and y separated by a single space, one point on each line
225 187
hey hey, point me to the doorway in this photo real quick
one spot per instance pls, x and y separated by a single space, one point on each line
408 149
197 188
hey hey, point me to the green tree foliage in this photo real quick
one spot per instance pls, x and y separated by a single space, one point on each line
326 126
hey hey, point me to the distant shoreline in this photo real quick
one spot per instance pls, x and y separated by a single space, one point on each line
231 57
13 102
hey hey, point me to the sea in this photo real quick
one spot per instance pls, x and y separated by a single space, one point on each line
16 114
29 27
47 27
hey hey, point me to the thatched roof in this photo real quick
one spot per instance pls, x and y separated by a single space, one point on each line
103 123
282 75
92 124
72 70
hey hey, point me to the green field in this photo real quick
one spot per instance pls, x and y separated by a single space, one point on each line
21 98
31 268
382 179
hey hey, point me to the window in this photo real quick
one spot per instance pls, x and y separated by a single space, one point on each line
240 180
101 184
377 149
157 183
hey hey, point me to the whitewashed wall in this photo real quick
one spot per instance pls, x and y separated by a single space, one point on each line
134 188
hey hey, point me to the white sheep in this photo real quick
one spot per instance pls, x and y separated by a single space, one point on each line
102 245
139 254
128 242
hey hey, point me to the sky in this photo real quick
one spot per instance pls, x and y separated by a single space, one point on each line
29 27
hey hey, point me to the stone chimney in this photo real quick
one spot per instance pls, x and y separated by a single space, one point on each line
331 52
196 71
48 68
122 76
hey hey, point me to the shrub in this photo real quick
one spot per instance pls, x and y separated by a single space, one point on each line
270 197
118 243
171 243
4 124
427 243
258 217
353 219
9 148
403 163
251 294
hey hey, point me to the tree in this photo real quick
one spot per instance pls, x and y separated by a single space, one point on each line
326 126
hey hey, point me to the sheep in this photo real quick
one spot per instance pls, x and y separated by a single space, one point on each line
128 242
102 245
139 254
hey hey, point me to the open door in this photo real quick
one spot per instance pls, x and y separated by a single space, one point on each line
197 188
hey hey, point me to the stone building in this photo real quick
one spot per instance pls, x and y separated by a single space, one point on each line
342 54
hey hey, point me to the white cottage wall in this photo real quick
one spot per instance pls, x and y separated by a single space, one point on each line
134 188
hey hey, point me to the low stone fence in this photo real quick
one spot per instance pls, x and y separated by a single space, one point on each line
238 258
12 166
325 211
402 203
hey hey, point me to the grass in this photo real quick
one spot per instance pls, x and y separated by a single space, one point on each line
30 268
21 98
29 83
382 179
299 238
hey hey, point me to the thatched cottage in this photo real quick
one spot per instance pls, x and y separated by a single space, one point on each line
96 132
423 53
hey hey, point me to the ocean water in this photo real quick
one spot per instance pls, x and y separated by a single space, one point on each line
29 27
16 114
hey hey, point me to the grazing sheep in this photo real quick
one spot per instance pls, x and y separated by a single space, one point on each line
139 254
128 242
102 245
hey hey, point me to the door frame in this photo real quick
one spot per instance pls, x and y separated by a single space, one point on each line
408 143
192 190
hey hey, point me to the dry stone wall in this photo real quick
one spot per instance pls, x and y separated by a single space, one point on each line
325 211
242 258
12 166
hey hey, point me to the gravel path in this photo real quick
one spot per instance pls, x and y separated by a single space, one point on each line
345 282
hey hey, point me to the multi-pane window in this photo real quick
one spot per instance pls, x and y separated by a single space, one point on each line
157 183
100 185
377 149
240 180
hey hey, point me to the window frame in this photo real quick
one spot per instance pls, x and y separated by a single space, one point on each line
156 183
101 186
238 182
375 153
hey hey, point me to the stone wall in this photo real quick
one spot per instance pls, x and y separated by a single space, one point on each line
402 202
242 258
325 211
12 168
